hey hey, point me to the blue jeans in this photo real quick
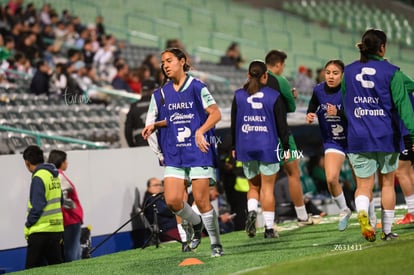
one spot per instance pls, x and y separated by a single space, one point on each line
71 242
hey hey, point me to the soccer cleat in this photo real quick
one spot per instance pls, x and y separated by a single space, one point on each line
216 250
185 247
343 219
251 224
309 221
389 236
196 238
270 233
408 218
188 229
366 229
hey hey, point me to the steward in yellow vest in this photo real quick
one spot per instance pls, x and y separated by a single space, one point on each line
44 223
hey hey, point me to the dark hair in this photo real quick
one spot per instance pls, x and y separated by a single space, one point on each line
180 55
371 43
256 70
57 158
337 62
40 63
275 56
232 46
34 155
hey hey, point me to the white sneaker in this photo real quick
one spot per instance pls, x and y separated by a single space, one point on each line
343 219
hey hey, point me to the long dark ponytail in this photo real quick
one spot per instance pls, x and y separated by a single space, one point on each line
256 70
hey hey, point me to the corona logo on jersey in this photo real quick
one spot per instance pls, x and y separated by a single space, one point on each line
359 112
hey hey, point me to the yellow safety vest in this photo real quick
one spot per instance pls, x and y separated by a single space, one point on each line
51 219
242 184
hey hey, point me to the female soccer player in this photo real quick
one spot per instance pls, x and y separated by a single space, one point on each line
326 104
188 113
374 96
258 120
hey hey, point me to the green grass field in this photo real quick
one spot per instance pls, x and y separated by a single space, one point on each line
316 249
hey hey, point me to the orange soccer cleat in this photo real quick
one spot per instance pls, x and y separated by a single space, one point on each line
408 218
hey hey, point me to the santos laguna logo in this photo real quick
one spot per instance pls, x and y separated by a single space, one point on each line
360 77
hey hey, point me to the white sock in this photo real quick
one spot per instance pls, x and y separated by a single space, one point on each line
182 233
188 214
195 208
371 214
340 202
387 220
410 204
362 203
210 221
252 205
301 213
269 219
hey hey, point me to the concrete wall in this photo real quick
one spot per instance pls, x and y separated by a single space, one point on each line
105 179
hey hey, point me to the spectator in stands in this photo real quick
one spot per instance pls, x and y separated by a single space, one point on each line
78 73
16 32
177 43
81 39
44 15
99 25
7 50
257 150
71 36
30 14
374 93
28 45
66 16
120 80
60 78
326 106
88 52
152 62
77 25
233 56
196 158
71 209
40 81
105 56
304 83
147 81
22 64
74 56
134 81
43 237
157 211
320 75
